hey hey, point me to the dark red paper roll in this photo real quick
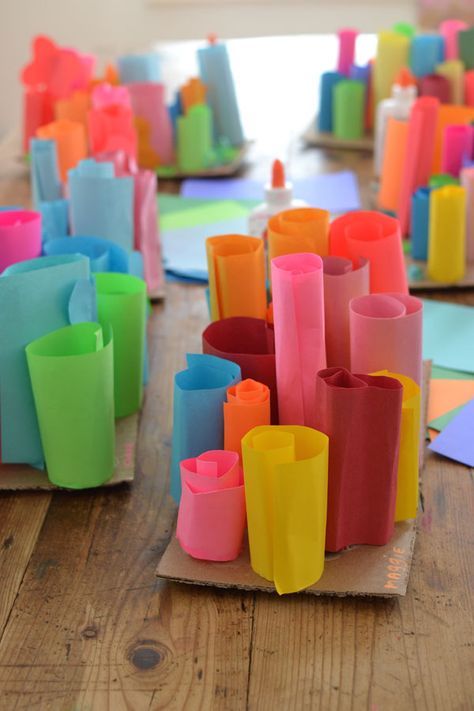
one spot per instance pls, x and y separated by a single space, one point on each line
361 414
436 85
250 343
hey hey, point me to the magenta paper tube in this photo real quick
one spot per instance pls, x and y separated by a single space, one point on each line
457 146
386 334
20 236
300 351
347 40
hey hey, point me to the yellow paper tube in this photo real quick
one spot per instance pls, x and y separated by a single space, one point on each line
453 70
447 234
393 51
303 229
286 476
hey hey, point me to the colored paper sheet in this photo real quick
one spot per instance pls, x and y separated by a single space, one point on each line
71 372
54 219
386 333
20 236
180 213
446 395
121 304
236 266
71 143
439 423
300 348
35 297
438 373
247 406
456 440
104 256
198 418
45 182
37 111
303 229
286 477
211 516
448 335
361 415
250 343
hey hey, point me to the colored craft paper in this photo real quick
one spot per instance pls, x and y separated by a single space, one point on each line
303 229
104 256
466 47
426 52
420 223
347 40
438 373
247 406
361 415
456 440
393 163
457 146
20 236
73 108
392 55
375 237
111 128
325 119
448 114
194 139
447 258
437 86
446 395
71 143
45 182
139 68
71 372
146 234
236 265
286 475
439 180
467 182
192 92
300 348
343 281
148 103
54 219
453 70
37 111
106 94
469 88
449 30
35 297
386 333
349 109
182 212
211 516
198 419
121 304
448 335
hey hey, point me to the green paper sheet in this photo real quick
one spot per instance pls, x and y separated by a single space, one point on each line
438 373
71 373
439 423
177 212
121 302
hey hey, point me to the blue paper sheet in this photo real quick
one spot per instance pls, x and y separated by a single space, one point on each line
45 182
448 335
456 441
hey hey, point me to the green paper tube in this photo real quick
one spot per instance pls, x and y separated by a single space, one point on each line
195 139
121 302
439 180
71 371
349 109
404 28
466 47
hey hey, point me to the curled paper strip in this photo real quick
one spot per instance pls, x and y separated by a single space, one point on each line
236 265
247 406
300 349
20 236
211 516
71 143
375 237
104 256
386 332
285 474
303 229
71 374
361 414
198 418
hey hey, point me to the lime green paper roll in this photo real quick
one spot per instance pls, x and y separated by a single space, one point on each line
348 109
71 373
439 180
195 139
447 235
121 302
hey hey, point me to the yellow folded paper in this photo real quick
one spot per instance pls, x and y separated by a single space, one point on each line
447 234
286 477
303 229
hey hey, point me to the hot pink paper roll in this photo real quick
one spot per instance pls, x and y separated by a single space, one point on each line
457 146
467 182
148 103
20 236
419 154
375 237
449 30
386 334
347 39
300 351
343 281
107 95
211 517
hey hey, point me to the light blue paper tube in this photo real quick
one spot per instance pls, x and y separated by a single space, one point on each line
135 68
328 82
426 52
45 182
54 219
420 223
104 256
198 412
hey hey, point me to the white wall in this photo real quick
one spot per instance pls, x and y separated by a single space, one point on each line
110 27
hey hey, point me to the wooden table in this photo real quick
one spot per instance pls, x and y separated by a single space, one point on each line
85 624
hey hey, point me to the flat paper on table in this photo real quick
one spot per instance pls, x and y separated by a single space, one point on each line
448 334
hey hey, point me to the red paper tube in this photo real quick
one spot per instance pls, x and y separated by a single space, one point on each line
437 86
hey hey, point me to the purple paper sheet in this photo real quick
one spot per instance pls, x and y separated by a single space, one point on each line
456 441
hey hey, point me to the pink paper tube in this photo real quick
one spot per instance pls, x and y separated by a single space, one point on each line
107 95
111 129
20 236
211 517
469 88
300 351
386 334
343 281
467 182
437 86
457 146
419 154
449 30
148 103
147 236
375 237
347 39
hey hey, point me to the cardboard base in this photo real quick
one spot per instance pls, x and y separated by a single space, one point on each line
424 282
312 137
23 477
219 171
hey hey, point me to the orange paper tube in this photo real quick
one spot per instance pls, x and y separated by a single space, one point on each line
74 108
71 143
193 92
448 114
304 229
393 164
247 406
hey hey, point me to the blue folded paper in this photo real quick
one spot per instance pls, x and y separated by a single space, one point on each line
54 219
45 182
104 255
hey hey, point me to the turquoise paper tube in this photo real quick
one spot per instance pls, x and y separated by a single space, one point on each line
328 82
426 52
420 223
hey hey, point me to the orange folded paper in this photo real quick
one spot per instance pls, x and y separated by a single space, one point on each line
303 229
446 395
74 108
193 92
71 143
247 406
236 265
392 165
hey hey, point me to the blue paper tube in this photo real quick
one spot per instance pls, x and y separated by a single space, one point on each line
420 223
328 82
425 53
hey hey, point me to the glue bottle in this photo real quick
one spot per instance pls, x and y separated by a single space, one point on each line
404 93
278 197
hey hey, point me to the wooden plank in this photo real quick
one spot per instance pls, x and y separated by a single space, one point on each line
322 139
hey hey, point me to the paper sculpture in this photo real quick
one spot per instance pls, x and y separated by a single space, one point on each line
303 229
349 109
104 255
54 220
20 236
153 124
74 108
467 182
111 128
139 68
194 139
71 143
247 406
392 55
45 182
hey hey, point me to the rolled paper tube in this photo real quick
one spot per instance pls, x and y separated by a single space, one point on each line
361 73
469 88
343 281
247 406
121 303
211 516
104 256
448 114
300 348
111 128
426 52
250 343
192 92
386 332
347 40
437 86
37 111
325 118
404 28
392 54
285 475
71 374
453 70
467 182
449 30
139 68
20 236
349 109
393 162
148 103
236 266
420 223
457 146
198 419
146 228
419 154
54 220
45 182
447 257
71 143
303 229
439 180
105 94
466 47
74 108
375 237
369 105
409 455
361 415
194 139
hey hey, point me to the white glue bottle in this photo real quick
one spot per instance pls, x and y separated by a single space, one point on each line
278 197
